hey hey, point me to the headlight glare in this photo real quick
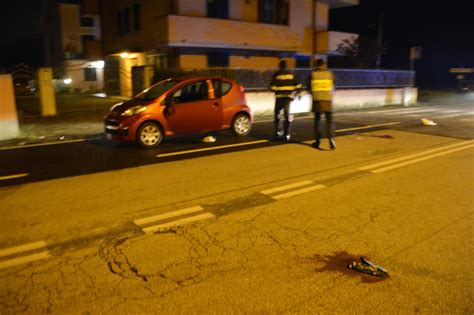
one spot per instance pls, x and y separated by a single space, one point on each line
134 110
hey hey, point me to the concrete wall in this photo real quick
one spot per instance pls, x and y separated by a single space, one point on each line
9 127
262 103
74 70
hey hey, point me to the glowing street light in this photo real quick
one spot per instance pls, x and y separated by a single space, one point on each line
99 64
67 81
124 55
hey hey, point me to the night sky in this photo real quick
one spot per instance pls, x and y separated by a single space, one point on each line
444 30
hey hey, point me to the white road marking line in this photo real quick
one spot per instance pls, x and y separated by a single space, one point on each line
211 148
388 168
164 226
167 215
23 260
13 176
408 113
369 126
390 111
298 192
407 157
42 144
457 114
286 187
22 248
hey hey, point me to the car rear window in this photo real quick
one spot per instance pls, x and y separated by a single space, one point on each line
221 87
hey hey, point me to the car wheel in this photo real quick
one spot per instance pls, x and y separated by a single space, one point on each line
241 125
149 135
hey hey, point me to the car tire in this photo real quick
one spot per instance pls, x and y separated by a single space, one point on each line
149 134
241 125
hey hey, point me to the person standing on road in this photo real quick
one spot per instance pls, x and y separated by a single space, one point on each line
284 85
321 85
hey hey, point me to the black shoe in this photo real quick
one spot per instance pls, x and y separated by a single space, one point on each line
332 144
316 144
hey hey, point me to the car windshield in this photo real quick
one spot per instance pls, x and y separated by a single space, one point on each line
156 90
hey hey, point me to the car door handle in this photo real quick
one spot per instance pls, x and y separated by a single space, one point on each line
215 104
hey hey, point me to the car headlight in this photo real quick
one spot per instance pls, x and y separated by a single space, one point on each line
133 110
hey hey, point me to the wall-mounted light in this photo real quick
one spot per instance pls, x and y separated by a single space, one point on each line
67 81
99 64
124 55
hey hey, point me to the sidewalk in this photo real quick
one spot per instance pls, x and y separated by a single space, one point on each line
65 126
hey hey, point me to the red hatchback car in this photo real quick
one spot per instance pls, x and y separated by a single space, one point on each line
179 106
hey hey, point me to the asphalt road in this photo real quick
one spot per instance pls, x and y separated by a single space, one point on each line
264 227
97 154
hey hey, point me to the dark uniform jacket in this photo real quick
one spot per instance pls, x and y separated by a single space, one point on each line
284 84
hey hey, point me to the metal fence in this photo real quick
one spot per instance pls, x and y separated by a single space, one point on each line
260 79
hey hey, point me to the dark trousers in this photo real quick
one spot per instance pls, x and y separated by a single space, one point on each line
317 129
283 104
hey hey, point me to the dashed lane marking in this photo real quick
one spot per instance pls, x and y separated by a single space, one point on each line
286 187
211 148
167 215
298 192
388 168
15 261
22 248
13 176
42 144
369 126
165 226
23 260
412 156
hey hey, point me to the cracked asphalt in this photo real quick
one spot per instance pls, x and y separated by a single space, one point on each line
259 254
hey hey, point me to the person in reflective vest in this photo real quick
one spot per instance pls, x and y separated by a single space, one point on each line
284 85
321 84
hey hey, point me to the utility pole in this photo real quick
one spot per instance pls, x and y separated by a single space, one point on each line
313 33
378 61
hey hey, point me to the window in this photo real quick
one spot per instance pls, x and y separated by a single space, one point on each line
87 21
196 91
90 74
136 16
123 20
273 12
87 37
218 59
156 90
218 9
221 88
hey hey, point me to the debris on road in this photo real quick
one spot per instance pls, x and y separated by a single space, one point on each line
428 122
209 139
369 268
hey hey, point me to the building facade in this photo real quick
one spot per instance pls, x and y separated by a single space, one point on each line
196 34
81 46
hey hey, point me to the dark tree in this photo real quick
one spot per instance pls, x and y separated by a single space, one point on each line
356 52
